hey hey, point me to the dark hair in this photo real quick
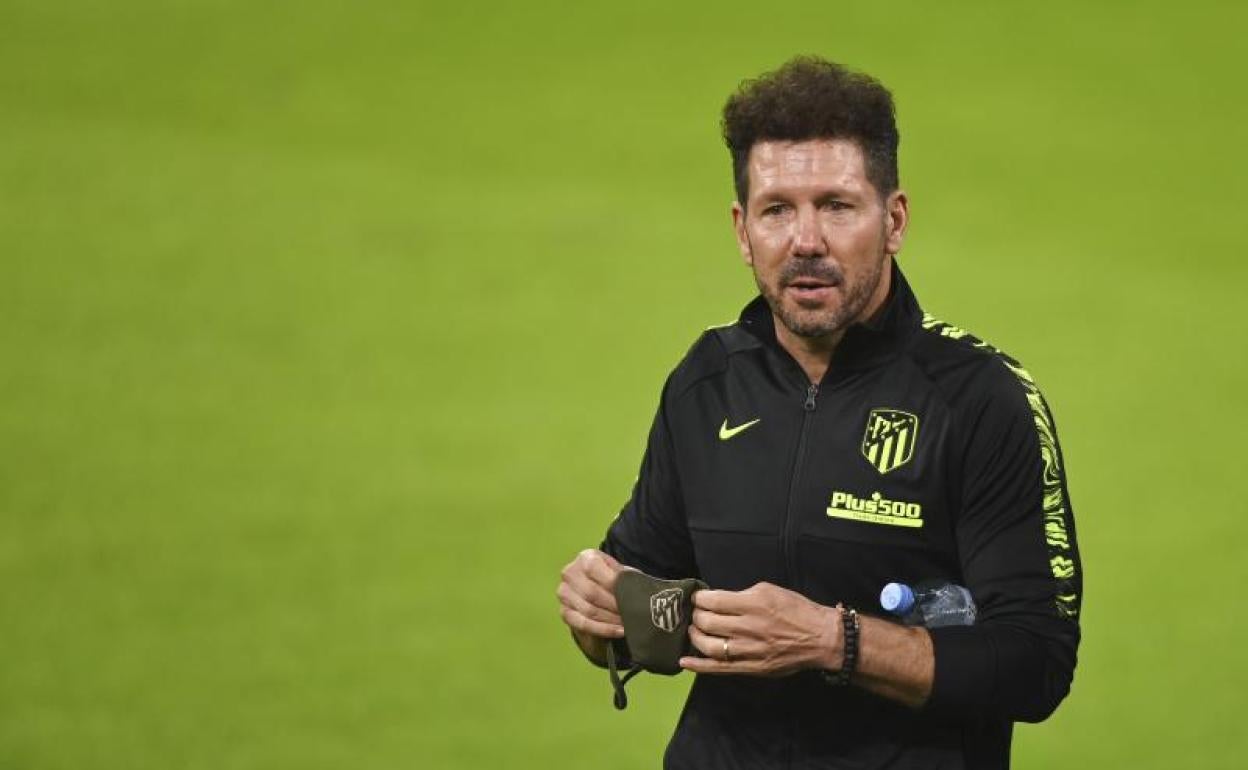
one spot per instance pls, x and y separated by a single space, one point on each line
812 98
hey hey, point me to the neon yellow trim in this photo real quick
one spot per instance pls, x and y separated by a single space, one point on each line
1056 514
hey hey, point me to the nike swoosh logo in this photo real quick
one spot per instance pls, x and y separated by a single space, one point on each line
726 433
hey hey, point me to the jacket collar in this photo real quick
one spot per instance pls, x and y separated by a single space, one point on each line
865 343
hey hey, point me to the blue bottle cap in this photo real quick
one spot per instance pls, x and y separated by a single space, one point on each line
897 598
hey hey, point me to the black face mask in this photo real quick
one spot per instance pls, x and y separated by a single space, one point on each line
656 615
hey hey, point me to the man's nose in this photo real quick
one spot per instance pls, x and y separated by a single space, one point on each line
808 239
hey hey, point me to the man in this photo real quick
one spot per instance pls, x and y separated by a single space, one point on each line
832 440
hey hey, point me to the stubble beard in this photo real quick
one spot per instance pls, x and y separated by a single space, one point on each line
819 323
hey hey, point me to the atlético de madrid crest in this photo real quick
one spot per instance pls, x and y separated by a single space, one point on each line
889 439
665 609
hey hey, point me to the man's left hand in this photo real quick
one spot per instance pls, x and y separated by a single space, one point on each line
764 630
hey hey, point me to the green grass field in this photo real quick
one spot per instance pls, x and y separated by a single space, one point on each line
329 332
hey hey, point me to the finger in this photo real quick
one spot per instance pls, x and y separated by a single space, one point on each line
588 589
574 601
712 666
579 622
721 602
739 648
716 624
743 655
615 564
711 646
706 665
599 567
609 559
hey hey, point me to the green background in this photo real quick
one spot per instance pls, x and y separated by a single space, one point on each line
330 332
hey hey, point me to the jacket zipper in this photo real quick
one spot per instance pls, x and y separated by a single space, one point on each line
808 414
786 548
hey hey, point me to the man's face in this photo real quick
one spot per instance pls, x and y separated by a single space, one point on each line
816 233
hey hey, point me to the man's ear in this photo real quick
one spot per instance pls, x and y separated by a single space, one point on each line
896 220
743 238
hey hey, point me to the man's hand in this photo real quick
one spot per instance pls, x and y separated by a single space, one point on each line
768 631
587 597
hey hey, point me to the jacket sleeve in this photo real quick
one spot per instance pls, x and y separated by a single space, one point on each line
1016 541
650 533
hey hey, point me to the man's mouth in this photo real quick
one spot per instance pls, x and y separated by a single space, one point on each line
811 292
810 283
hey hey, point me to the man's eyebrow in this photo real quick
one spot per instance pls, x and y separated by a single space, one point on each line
839 193
773 197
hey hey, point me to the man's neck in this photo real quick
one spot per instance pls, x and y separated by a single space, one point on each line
813 354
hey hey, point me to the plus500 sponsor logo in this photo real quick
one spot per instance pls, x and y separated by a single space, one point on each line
875 504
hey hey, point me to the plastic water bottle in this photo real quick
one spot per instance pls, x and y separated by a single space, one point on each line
929 604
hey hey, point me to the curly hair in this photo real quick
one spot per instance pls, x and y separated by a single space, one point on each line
812 98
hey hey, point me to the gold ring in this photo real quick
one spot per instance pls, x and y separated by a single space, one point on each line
727 652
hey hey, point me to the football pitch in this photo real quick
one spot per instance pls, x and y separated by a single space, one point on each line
329 332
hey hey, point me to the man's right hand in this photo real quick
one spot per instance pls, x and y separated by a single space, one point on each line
587 598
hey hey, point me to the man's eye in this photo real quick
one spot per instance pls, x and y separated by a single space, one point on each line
774 209
835 205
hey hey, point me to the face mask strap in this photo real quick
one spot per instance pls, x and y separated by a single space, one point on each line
620 699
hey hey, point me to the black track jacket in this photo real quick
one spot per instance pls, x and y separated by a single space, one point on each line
924 453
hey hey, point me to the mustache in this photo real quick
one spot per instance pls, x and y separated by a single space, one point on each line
828 272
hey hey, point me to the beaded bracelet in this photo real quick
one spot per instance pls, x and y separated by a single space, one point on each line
849 624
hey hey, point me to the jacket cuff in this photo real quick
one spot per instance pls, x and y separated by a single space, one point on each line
965 668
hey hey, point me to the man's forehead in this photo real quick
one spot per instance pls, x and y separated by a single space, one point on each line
838 161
